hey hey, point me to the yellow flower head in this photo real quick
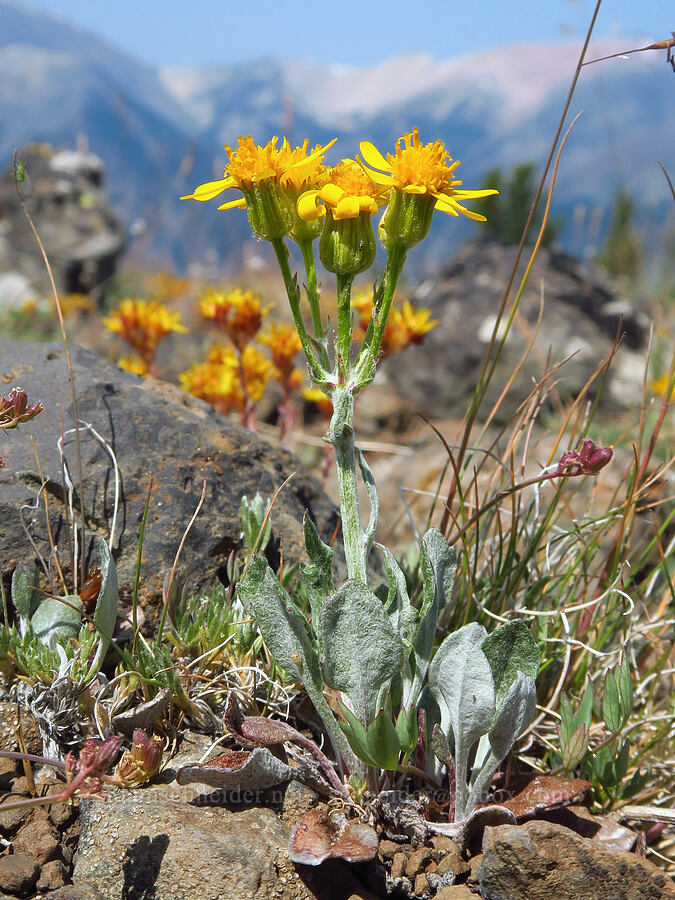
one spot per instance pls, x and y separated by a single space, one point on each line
238 313
406 326
263 174
133 364
347 191
422 169
284 345
218 379
143 323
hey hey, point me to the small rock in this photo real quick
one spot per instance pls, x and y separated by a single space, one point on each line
18 874
456 892
453 860
388 849
12 819
52 875
61 814
421 886
417 861
540 860
398 865
37 837
75 892
441 842
298 799
474 866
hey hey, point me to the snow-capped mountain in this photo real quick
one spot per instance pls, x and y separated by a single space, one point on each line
160 131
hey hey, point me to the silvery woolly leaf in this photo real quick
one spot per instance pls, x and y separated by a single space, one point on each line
317 575
514 715
438 563
284 629
238 770
402 615
287 634
511 649
361 652
57 619
25 597
460 678
105 614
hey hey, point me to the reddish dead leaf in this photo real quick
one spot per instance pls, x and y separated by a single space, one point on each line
238 770
547 792
317 836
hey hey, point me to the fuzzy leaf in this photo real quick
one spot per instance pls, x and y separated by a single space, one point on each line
25 598
402 615
383 742
438 563
57 619
460 679
317 575
357 737
511 649
361 652
105 614
515 714
287 634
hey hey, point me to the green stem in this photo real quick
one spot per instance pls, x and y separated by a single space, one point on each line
341 436
367 359
312 289
318 375
344 322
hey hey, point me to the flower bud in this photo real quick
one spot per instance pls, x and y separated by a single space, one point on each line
407 219
347 245
268 209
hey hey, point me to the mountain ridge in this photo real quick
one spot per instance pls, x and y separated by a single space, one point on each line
160 131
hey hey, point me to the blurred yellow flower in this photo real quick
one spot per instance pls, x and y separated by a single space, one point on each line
320 400
218 379
133 364
237 313
284 345
142 324
660 386
405 325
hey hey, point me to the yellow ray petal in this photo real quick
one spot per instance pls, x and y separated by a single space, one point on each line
347 208
234 204
466 195
373 156
308 208
414 189
211 189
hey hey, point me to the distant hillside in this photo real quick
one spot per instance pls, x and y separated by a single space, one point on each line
160 132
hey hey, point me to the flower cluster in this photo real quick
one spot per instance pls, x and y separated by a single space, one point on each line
143 324
587 461
239 314
405 326
229 381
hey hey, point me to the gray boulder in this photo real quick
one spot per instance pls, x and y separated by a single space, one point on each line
582 314
65 194
156 431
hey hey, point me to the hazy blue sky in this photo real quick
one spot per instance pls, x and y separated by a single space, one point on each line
175 32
